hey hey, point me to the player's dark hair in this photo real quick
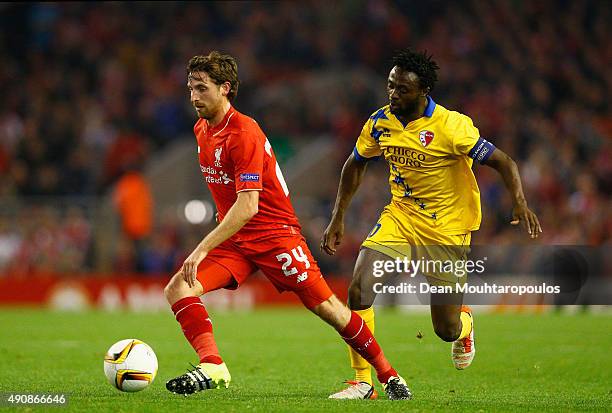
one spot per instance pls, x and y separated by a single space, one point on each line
420 64
220 68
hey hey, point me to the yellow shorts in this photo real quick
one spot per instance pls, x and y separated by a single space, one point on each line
398 235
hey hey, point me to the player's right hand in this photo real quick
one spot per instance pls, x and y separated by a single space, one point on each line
190 266
332 237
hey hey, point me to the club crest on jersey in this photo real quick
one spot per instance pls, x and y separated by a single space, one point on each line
426 137
218 157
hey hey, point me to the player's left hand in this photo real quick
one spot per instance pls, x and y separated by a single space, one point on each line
190 266
521 213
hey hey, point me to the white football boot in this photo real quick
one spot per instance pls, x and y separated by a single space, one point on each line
355 391
464 350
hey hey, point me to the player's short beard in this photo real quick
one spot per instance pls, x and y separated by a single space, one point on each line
207 113
204 114
407 109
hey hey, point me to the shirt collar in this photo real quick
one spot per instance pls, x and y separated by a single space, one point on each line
223 122
429 109
428 112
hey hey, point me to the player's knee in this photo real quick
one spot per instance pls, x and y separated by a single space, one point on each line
324 309
447 331
356 300
169 291
174 288
333 312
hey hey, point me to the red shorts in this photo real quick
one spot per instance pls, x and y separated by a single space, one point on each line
285 260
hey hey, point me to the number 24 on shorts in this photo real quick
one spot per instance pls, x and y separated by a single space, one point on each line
287 260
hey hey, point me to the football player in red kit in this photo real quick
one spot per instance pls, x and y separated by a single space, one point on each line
257 229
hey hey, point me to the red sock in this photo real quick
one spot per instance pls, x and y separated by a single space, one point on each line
197 327
360 338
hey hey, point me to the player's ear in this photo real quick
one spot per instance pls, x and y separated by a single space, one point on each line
426 91
225 88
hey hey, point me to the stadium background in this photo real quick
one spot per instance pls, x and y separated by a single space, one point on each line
95 121
98 167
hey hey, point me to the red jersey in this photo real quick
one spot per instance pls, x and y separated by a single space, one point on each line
236 156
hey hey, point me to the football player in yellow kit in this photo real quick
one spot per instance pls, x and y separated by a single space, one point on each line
435 202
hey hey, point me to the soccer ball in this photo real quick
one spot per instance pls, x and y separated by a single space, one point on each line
130 365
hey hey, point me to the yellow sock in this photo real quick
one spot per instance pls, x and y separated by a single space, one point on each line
363 370
466 325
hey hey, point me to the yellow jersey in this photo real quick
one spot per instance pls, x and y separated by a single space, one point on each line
430 164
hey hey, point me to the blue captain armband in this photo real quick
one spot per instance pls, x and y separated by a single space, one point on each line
482 150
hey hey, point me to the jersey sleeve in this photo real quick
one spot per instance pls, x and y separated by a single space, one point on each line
367 146
247 154
467 141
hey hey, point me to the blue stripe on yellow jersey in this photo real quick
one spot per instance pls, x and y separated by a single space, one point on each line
430 164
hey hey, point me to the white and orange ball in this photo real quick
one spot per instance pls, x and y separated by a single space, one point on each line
130 365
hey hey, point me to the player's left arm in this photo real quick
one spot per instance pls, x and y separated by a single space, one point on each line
507 168
245 208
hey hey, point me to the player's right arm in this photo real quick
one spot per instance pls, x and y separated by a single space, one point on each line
352 173
246 153
241 212
350 179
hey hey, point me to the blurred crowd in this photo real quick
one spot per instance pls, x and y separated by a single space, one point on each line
44 238
90 91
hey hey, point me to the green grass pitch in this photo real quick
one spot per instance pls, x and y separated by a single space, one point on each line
288 360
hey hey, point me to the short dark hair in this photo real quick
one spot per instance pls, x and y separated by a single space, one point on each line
220 68
420 64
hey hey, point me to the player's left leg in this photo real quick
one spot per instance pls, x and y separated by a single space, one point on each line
196 324
222 268
453 322
464 348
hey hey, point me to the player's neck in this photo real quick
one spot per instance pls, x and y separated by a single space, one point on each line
215 120
420 109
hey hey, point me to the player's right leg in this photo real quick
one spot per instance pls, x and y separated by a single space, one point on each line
387 235
360 339
288 263
223 268
361 297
